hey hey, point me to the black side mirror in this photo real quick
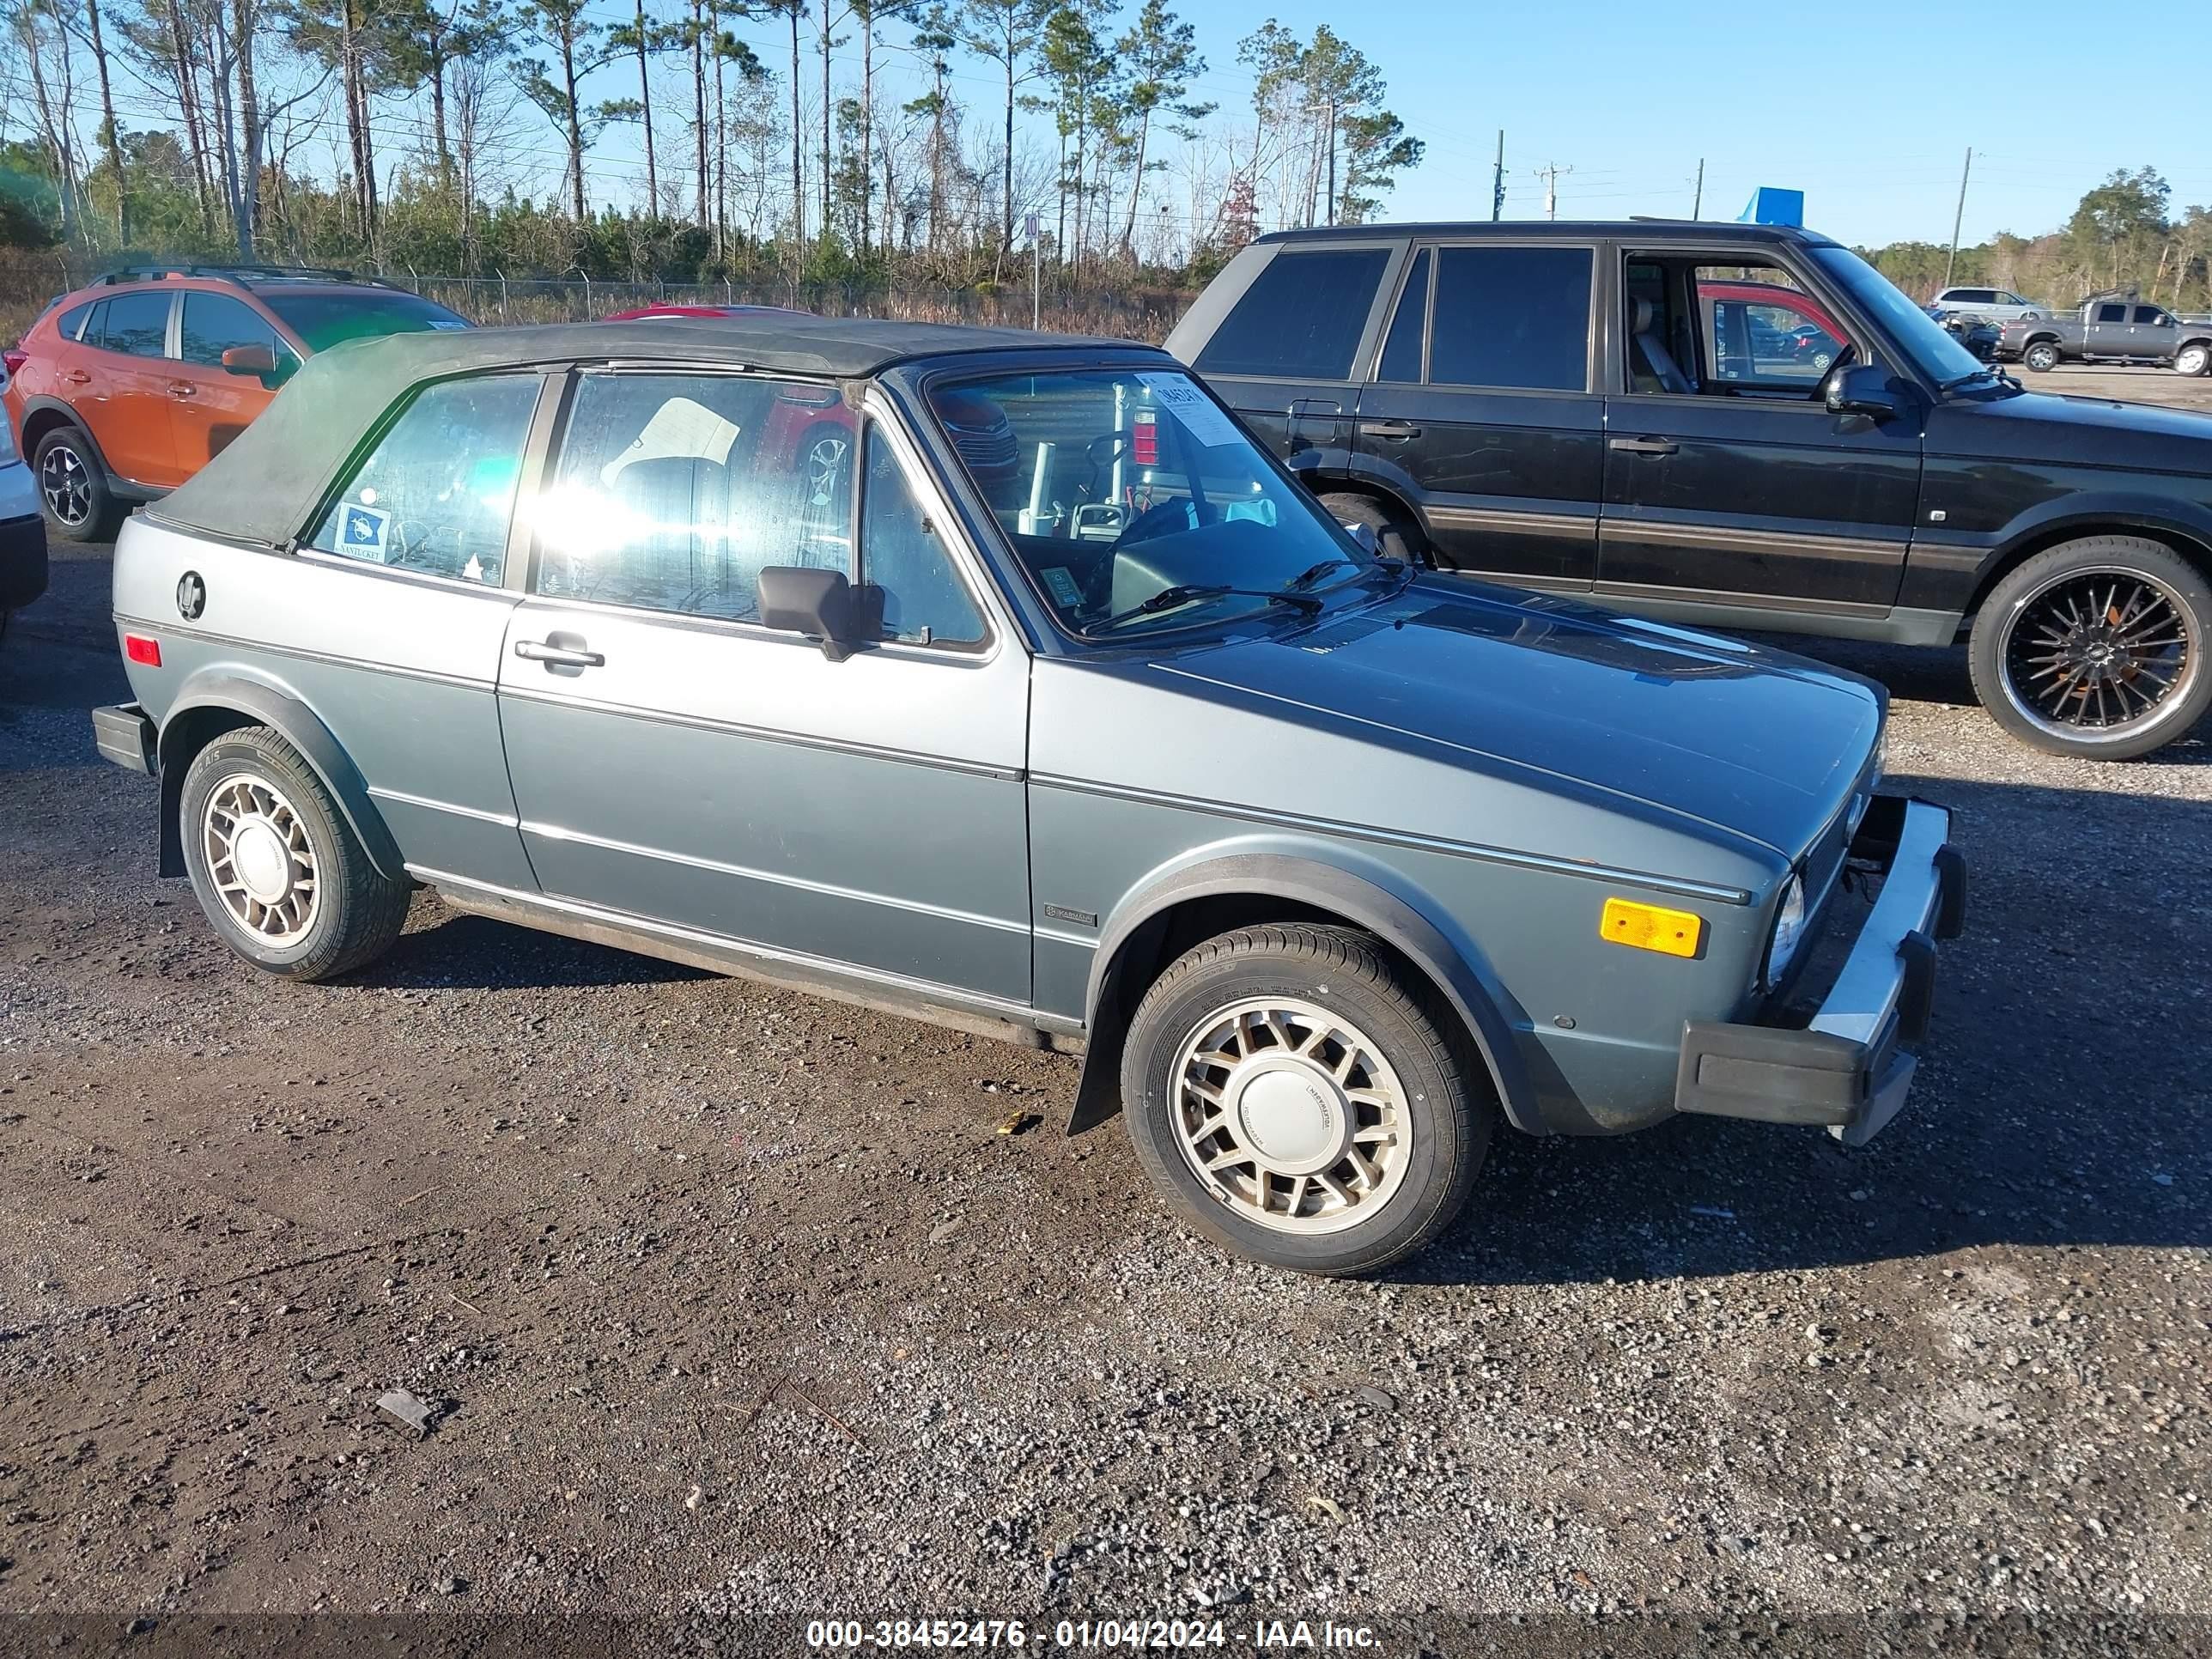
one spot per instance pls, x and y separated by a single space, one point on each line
1864 389
818 603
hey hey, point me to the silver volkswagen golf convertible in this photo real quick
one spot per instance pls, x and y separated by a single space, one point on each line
1002 680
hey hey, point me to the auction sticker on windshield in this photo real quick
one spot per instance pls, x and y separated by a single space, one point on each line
1203 418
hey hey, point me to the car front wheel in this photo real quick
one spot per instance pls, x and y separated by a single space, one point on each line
1394 535
2042 357
274 865
73 488
1299 1101
2095 648
2193 360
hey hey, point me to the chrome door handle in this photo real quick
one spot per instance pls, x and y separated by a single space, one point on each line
558 656
1396 432
77 377
180 388
1643 446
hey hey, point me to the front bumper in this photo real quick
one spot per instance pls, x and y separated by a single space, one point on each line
22 545
1849 1069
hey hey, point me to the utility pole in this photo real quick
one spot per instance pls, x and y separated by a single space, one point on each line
1497 180
1697 201
1551 172
1959 217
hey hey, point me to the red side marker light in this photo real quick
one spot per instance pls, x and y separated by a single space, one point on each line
139 648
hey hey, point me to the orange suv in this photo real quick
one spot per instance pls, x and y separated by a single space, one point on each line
124 389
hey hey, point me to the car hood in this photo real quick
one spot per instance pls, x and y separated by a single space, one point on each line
1749 742
2037 426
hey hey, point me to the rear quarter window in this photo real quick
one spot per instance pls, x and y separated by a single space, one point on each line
1512 317
1301 318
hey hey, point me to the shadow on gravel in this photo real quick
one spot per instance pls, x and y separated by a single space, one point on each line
477 953
2065 1098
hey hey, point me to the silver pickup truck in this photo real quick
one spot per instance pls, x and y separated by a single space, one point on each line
2109 329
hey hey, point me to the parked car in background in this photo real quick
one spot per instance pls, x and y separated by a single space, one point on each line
1978 337
2109 329
1986 304
1586 410
127 388
1074 720
22 532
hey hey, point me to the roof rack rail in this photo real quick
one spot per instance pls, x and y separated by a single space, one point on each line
241 273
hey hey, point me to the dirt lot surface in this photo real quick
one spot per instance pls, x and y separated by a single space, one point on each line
2132 385
735 1303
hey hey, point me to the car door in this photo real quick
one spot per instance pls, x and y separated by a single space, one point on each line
209 405
1730 487
1283 356
2106 335
1482 412
2151 335
678 766
123 397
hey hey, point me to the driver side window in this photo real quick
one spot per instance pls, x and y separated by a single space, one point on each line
435 495
1726 331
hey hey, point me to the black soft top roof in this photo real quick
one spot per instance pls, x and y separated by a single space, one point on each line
263 486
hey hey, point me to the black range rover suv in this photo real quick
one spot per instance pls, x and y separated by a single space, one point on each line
1737 425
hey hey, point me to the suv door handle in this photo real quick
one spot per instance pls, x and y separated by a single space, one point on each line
1395 432
180 388
1643 446
77 377
558 656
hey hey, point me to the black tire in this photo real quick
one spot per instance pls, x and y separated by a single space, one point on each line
1397 536
1447 1102
73 488
354 913
2040 358
2193 359
2026 599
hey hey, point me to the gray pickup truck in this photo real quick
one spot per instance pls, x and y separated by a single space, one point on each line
2109 328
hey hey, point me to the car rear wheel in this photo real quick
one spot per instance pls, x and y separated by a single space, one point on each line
2042 357
73 488
2193 360
1299 1101
274 865
2095 648
1397 536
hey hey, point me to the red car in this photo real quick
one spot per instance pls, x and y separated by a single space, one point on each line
1773 326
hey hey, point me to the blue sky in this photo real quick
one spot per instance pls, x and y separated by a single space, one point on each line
1870 109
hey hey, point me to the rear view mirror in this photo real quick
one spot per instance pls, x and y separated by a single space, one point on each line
818 603
1864 389
248 360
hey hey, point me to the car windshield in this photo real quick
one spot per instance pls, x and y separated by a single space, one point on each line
323 320
1934 351
1134 503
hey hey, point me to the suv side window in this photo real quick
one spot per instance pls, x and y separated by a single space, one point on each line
213 323
1516 317
1402 351
71 327
674 490
2112 313
2150 314
1301 318
136 325
904 560
436 494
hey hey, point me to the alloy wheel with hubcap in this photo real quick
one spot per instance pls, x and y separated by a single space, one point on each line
66 485
260 859
2193 360
1301 1097
1291 1117
2041 358
2096 647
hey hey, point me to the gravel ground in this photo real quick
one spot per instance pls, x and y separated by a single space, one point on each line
738 1303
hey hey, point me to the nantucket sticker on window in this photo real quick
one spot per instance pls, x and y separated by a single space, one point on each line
363 531
1200 415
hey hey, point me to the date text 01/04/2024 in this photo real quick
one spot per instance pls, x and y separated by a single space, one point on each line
1100 1634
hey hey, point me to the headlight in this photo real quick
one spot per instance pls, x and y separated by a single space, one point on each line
6 439
1789 931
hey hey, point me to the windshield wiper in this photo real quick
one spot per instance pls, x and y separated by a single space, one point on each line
1982 374
1308 577
1185 593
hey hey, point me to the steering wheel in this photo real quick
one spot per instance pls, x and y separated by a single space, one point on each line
1154 520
